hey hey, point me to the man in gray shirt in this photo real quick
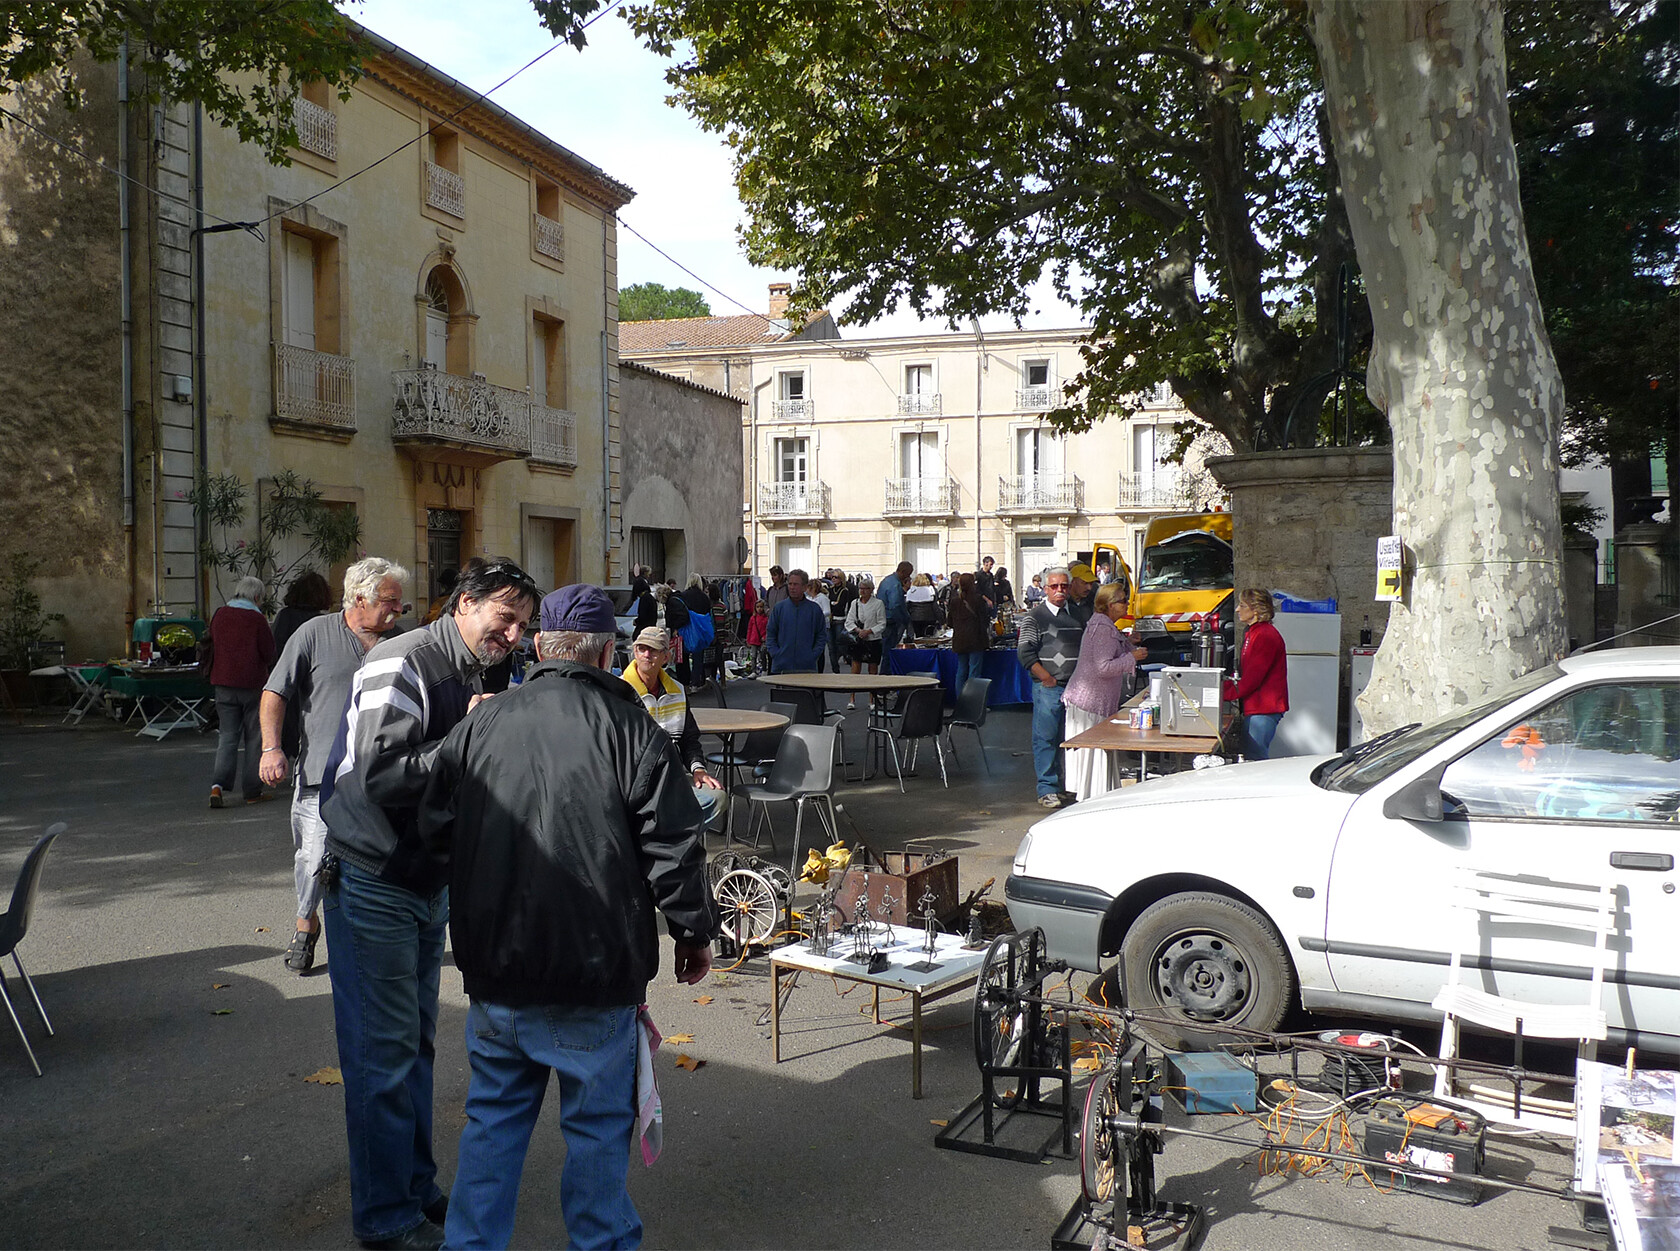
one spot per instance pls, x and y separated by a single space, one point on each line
315 669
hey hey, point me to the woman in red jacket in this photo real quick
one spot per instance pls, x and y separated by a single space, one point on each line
241 654
1262 685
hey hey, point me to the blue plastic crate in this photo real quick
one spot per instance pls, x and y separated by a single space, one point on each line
1211 1081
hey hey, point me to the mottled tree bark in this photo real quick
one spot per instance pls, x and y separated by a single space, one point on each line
1461 362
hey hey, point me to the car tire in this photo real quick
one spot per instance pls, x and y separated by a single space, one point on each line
1202 962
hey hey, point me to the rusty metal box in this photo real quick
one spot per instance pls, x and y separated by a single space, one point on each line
903 878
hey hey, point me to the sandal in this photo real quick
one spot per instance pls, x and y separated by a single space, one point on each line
300 956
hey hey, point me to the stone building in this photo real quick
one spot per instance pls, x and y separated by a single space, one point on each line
932 448
432 344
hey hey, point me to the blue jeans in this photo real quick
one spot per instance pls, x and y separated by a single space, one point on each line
969 665
1258 731
1048 720
891 637
386 948
593 1053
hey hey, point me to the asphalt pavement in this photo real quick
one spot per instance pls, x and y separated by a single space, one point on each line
177 1107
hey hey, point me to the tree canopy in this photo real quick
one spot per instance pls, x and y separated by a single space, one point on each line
649 301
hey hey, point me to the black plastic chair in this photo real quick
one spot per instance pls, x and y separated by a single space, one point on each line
970 714
15 924
923 717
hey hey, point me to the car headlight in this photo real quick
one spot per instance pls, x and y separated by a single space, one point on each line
1020 865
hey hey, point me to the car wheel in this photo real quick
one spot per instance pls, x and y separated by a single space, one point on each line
1207 961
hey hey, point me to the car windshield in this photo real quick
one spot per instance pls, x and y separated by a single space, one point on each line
1362 766
1192 564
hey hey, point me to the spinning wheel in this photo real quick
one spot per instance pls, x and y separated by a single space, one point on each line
1099 1146
749 907
1006 1029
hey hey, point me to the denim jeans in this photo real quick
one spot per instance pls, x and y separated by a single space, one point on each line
236 726
309 840
1048 720
1258 731
969 665
593 1053
891 636
386 947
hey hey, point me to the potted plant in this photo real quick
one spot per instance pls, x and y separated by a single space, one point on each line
23 624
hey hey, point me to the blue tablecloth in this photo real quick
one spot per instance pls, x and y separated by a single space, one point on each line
1011 684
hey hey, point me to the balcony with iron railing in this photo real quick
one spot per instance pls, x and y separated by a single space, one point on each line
548 237
923 403
553 436
317 128
1152 490
1035 399
790 501
314 390
792 410
446 190
434 408
921 497
1041 493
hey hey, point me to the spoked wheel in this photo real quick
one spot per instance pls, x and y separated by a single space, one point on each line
748 908
1102 1174
778 877
1001 1021
724 863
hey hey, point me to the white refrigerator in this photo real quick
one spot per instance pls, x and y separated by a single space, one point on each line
1313 642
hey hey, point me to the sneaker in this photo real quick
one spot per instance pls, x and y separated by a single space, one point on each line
1050 801
851 705
300 956
215 797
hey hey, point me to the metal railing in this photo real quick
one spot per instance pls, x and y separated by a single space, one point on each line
923 403
793 499
553 436
1032 399
446 190
431 405
317 128
1152 490
1041 493
315 388
924 497
548 236
792 410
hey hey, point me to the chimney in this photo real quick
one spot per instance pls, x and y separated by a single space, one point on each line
779 300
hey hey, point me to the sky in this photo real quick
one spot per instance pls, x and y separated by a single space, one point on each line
607 104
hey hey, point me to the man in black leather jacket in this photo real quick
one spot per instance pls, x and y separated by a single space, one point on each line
568 822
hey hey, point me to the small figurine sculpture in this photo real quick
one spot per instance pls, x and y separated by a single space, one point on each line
930 932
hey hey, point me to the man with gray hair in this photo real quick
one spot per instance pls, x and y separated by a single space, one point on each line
1049 651
315 669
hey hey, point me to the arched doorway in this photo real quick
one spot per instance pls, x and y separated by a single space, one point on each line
445 345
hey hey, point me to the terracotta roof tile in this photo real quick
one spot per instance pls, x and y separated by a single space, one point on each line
745 330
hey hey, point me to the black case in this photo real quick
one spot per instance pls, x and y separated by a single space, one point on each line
1457 1150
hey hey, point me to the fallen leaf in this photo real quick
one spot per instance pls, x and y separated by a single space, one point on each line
326 1077
1134 1236
941 1124
219 985
680 1038
704 999
1087 1064
984 812
221 1012
689 1062
262 929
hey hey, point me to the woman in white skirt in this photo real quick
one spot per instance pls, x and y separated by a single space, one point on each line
1107 660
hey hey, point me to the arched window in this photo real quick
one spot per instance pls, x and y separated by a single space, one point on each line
445 302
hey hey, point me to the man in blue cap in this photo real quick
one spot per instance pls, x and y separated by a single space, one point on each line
569 822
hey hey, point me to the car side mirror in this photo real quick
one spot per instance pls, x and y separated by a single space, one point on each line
1417 800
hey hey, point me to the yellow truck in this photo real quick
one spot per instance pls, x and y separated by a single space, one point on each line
1185 577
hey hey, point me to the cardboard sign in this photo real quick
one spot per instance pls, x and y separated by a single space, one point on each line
1389 558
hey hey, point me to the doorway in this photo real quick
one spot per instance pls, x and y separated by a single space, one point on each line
549 552
1034 553
796 552
922 551
444 527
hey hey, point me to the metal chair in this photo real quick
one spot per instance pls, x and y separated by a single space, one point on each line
15 924
1485 905
923 717
758 749
803 772
970 714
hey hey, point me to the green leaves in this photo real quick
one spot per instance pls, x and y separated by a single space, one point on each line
650 301
293 509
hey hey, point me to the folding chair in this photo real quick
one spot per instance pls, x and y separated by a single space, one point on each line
924 717
803 772
970 714
15 924
1486 903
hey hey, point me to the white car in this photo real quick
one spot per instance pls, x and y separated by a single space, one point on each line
1233 893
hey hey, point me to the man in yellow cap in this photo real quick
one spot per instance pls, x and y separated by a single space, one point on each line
1082 592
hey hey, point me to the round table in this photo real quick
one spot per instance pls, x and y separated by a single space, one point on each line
871 684
725 724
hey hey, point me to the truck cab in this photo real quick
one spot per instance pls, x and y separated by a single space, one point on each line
1186 575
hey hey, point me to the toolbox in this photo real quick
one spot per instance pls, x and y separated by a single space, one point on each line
1211 1081
1449 1141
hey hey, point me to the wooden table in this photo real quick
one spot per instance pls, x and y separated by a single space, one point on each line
1116 735
725 724
954 968
873 685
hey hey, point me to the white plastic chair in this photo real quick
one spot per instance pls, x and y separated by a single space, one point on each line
1485 902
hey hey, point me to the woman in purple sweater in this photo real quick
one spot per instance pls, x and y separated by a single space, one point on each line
1097 688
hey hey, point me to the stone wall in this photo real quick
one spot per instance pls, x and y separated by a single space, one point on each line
1307 522
682 465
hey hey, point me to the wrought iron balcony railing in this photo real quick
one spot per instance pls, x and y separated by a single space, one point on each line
446 190
792 499
922 403
553 436
1041 493
792 410
548 236
1034 399
1151 490
317 128
922 497
314 388
434 407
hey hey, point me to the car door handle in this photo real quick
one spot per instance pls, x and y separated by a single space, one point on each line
1650 861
